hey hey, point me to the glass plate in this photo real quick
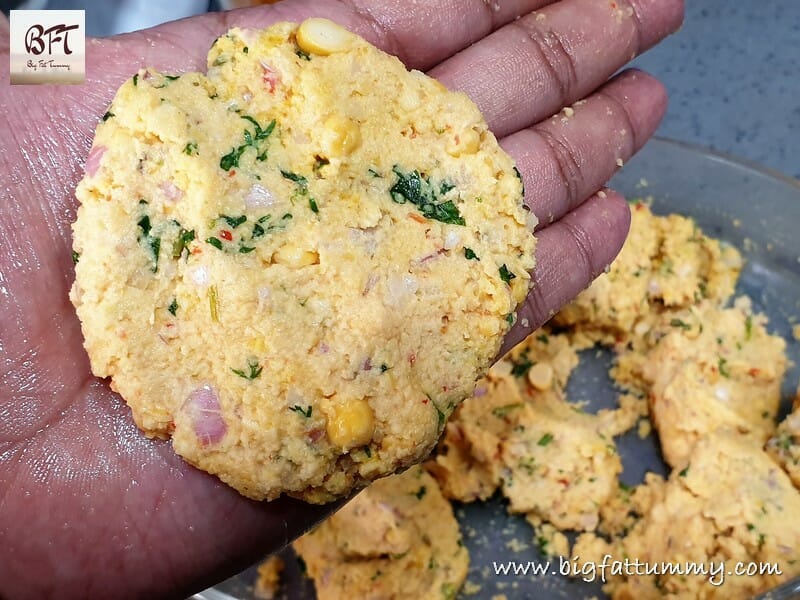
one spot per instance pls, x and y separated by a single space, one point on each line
755 210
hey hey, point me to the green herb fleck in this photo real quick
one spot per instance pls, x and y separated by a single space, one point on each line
678 323
510 318
723 367
181 242
367 450
214 242
748 327
750 527
219 61
374 173
543 338
173 307
108 116
313 205
625 488
469 254
213 303
245 249
420 493
233 222
75 257
506 275
449 591
502 411
542 543
521 366
136 79
254 370
245 49
439 414
528 464
684 472
152 243
190 148
306 412
545 439
384 368
320 162
761 539
258 231
298 179
302 566
418 190
302 54
251 140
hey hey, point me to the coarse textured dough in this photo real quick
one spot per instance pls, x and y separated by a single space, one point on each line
297 265
396 539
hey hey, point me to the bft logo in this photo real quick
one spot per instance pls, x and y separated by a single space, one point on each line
36 35
47 46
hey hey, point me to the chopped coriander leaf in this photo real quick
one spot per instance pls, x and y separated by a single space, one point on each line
543 338
253 372
384 368
684 472
246 249
374 173
108 116
320 162
420 493
214 242
219 61
173 307
258 231
190 148
231 160
136 79
251 140
502 411
313 205
301 411
505 274
171 77
510 318
75 257
302 54
417 189
521 366
542 543
545 439
368 451
449 591
299 179
182 241
245 49
723 367
678 323
748 327
144 225
624 487
233 222
469 254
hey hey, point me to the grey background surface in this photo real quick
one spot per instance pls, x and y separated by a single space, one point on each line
733 72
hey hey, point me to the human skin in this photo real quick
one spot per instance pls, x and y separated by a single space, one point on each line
90 507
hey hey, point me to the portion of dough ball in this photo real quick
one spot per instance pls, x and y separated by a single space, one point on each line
396 539
297 265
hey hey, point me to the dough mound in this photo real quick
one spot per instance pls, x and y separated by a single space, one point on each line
297 264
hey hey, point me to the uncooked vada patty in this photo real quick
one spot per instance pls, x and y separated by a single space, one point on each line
297 264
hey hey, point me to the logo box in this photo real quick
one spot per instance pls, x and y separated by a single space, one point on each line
47 46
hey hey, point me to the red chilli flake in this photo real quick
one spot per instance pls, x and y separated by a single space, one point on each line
226 235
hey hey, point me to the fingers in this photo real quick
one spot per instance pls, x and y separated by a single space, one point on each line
529 69
422 34
569 255
434 31
573 154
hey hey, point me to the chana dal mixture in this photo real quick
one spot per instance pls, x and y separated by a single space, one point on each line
695 366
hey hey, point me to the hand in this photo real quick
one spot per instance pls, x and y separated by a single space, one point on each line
88 506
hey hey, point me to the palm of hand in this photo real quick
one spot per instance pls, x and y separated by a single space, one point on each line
87 504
